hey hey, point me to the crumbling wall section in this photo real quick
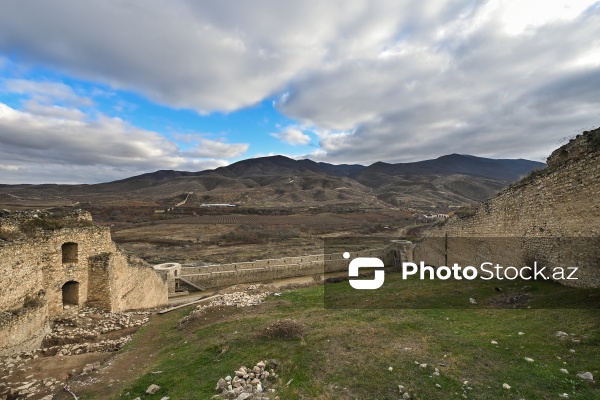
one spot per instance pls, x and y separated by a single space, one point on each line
23 329
46 261
560 202
135 284
99 279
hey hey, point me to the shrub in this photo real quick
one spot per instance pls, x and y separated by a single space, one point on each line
51 223
465 212
593 139
533 174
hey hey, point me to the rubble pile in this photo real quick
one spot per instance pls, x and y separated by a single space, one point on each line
77 331
237 299
89 323
105 346
29 388
249 383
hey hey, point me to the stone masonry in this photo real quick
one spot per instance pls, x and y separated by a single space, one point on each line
50 261
554 212
215 276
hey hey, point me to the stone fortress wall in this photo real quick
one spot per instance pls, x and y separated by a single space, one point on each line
555 213
45 270
264 270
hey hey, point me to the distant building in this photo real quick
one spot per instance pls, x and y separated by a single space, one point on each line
435 216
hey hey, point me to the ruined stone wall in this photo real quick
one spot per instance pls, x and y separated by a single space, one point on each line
34 264
99 280
288 267
41 267
136 284
23 330
21 274
559 203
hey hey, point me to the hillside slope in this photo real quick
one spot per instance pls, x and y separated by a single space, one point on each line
282 181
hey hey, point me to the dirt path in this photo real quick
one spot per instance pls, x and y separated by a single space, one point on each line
129 363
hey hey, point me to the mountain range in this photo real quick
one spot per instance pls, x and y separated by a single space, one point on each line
449 180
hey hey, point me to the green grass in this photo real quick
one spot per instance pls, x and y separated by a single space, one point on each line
346 353
455 294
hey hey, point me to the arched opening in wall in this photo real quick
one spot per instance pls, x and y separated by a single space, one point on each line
70 293
70 252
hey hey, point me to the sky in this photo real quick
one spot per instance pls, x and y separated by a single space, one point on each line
101 90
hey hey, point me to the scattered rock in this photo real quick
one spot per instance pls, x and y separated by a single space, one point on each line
561 334
494 342
564 371
152 389
529 359
506 386
77 330
586 376
221 385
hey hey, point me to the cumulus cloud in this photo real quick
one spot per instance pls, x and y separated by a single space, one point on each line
203 55
292 135
216 148
472 87
46 92
31 145
376 80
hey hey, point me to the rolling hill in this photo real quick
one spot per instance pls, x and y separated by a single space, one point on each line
281 181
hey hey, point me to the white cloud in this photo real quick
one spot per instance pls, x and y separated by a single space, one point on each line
465 87
203 55
381 80
53 111
530 14
216 148
31 145
292 135
46 92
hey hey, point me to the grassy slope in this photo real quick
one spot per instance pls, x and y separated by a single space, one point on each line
346 353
